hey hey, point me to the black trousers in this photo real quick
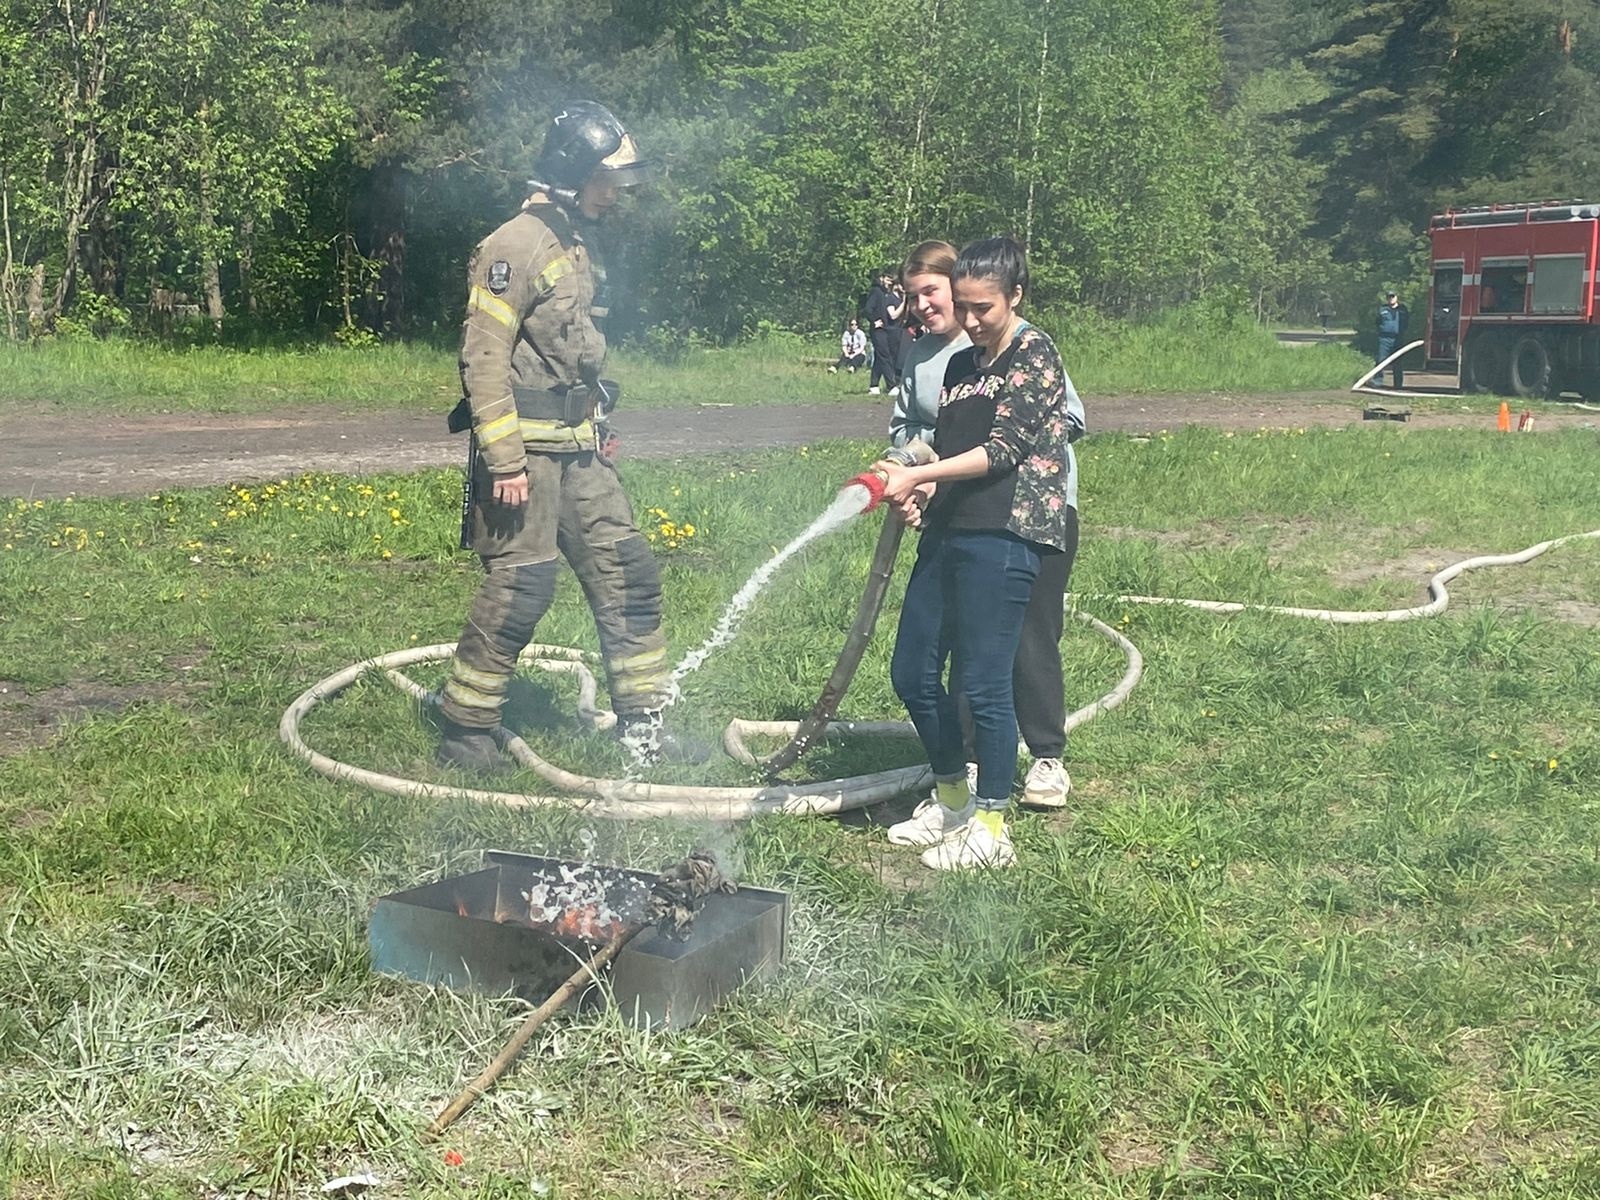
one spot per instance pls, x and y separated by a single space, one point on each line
1036 687
885 357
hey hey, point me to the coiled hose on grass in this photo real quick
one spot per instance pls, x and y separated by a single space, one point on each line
631 799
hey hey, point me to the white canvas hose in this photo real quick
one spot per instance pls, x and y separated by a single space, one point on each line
630 799
1437 590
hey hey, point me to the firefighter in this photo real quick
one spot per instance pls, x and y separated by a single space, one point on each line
1393 317
540 477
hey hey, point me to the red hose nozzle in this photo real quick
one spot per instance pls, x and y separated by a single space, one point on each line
874 483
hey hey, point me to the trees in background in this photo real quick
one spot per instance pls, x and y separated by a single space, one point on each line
151 140
1436 102
326 165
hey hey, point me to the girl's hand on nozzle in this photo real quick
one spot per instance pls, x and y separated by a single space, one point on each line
898 481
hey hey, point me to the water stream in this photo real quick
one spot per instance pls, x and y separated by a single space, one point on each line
851 501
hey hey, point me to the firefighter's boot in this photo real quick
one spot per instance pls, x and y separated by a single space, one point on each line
644 737
467 749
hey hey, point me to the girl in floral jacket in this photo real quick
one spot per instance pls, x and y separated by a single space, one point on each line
1004 496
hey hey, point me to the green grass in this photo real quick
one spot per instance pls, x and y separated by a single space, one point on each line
129 377
1322 921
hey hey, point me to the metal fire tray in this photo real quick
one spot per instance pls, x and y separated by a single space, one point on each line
471 934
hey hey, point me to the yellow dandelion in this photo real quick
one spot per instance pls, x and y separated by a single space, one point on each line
1553 764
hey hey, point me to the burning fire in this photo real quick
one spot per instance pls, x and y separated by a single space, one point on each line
583 903
587 923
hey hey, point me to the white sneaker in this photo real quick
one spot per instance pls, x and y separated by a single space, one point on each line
834 370
873 390
894 391
929 825
1048 784
970 847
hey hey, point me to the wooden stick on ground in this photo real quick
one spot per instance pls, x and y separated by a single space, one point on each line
576 982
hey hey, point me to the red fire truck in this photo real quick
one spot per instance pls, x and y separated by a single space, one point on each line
1513 306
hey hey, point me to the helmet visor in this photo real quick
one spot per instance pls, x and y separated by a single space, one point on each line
625 167
632 174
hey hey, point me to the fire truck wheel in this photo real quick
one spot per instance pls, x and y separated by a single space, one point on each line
1484 364
1531 371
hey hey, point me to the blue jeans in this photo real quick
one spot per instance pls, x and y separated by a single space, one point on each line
964 603
1386 347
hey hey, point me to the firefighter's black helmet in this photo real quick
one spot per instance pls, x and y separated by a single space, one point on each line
585 137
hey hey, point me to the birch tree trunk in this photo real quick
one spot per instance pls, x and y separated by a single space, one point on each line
79 190
1038 126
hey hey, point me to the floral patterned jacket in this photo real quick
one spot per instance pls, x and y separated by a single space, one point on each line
1037 415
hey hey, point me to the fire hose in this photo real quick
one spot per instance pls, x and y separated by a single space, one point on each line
634 799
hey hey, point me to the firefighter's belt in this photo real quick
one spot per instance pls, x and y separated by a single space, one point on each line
570 406
553 421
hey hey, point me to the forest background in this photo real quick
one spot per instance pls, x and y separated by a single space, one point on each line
282 170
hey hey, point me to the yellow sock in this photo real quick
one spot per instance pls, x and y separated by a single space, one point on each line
992 819
954 795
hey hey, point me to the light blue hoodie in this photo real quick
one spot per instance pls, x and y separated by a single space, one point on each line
916 410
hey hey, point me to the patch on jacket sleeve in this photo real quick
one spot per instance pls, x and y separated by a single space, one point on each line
499 276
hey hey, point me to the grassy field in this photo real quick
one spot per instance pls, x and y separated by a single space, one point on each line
129 377
1322 921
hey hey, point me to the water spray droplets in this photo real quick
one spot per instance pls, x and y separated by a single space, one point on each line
851 501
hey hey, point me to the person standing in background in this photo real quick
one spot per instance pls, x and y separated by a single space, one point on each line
1393 319
884 310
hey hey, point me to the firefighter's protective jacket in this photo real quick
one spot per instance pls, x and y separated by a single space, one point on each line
529 337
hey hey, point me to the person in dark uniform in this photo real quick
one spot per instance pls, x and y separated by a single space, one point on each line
884 312
1393 318
541 484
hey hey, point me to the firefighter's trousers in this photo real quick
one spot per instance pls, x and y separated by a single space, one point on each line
576 507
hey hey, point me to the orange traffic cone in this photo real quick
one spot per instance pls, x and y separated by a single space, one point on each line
1504 423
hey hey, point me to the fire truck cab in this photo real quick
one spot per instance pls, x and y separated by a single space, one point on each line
1513 305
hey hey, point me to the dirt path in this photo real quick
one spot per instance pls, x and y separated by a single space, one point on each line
47 454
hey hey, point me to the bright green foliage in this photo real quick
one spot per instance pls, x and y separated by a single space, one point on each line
178 127
313 165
